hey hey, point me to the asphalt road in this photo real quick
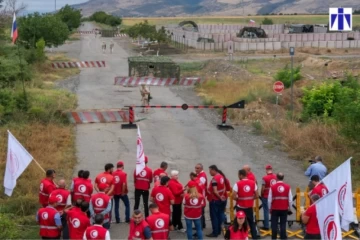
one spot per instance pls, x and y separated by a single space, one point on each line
182 138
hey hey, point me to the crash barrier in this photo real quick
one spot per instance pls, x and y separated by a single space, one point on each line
301 202
83 64
154 81
97 116
222 126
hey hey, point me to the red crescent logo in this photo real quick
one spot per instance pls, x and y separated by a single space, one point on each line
159 223
246 188
14 164
281 189
194 201
99 202
117 179
160 197
75 222
143 173
330 229
341 198
44 215
82 188
103 180
272 182
94 234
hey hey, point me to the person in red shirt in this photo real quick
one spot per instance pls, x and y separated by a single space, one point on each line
157 182
100 203
201 175
62 195
195 179
79 176
267 181
120 192
142 183
162 169
159 223
193 204
250 175
97 231
47 185
139 228
239 229
78 221
162 196
319 187
309 218
107 178
177 190
49 220
83 188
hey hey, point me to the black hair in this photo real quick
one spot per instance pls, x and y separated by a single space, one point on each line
80 173
153 205
192 174
215 168
243 172
315 178
164 180
78 202
50 172
163 165
108 166
86 174
84 206
99 219
236 225
280 176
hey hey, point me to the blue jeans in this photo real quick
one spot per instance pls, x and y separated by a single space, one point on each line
125 200
106 225
217 209
265 207
198 227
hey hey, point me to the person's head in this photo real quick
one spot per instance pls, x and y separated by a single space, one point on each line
99 219
78 202
162 175
242 174
86 174
102 187
120 165
193 176
80 173
268 169
240 223
192 190
164 165
62 183
318 159
198 168
50 173
154 208
174 174
247 168
213 170
164 181
137 216
314 198
315 179
53 200
84 206
109 167
280 176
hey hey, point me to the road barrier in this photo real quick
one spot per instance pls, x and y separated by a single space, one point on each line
154 81
83 64
86 32
98 116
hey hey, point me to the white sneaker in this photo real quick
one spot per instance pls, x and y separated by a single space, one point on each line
183 230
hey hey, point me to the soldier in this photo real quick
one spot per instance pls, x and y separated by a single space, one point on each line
103 47
145 96
111 46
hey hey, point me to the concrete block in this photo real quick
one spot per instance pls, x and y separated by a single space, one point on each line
344 36
237 46
269 46
299 37
330 44
260 46
332 36
299 44
310 37
322 36
284 45
304 38
358 44
292 44
227 37
322 44
207 46
287 38
316 37
293 38
315 44
307 44
200 45
252 46
357 35
327 37
346 44
353 44
244 46
338 44
277 45
338 36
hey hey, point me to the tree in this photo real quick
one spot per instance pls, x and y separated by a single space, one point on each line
267 21
12 6
102 17
161 37
33 27
70 16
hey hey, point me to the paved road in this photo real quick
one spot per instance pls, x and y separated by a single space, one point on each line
178 137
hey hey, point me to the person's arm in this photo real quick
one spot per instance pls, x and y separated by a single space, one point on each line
107 210
172 198
111 189
147 233
290 199
256 195
84 237
91 209
96 185
72 186
308 171
57 219
68 201
305 217
124 184
235 190
270 199
107 236
150 176
262 187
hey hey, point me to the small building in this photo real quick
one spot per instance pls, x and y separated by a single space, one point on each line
153 66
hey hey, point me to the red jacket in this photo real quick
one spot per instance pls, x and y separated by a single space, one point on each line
159 225
280 196
96 232
100 202
162 197
46 218
193 207
46 187
83 188
107 178
77 222
177 190
238 235
120 178
143 180
157 173
62 196
203 182
268 181
245 193
320 189
219 180
136 231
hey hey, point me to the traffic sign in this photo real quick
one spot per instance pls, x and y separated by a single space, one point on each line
292 51
278 86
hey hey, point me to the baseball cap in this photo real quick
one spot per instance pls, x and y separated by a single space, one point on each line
102 186
146 159
240 214
268 167
120 163
191 184
53 199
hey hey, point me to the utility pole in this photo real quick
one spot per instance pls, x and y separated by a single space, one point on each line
292 52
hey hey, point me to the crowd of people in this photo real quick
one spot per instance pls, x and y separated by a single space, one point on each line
84 211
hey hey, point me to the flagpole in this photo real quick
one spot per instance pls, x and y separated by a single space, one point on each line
39 165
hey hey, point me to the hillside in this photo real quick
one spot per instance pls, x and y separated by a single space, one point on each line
137 8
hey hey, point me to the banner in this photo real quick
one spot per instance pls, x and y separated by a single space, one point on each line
327 213
16 162
340 180
140 155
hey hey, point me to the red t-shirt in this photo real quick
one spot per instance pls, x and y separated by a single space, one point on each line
157 173
251 176
320 189
107 178
162 197
312 227
177 190
120 178
77 223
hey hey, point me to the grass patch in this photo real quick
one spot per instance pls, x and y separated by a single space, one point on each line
192 66
103 26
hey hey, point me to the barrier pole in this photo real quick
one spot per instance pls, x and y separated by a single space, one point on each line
223 125
298 204
131 124
307 198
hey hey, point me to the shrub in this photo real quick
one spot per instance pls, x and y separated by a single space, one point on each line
8 227
40 46
284 75
267 21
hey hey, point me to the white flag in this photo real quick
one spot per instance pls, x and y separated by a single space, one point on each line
140 156
17 161
340 179
327 213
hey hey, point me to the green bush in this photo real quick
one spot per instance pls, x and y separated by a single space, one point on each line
40 47
102 17
284 75
8 227
267 21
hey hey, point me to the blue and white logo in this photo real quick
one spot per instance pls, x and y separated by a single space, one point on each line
340 19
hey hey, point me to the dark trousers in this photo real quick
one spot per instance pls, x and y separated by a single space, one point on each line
65 230
217 209
312 236
275 215
176 216
125 200
203 218
50 237
249 212
145 195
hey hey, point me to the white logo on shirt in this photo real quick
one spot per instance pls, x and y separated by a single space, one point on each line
202 180
160 197
137 233
221 180
323 191
280 189
82 188
247 188
44 215
75 222
159 223
103 180
143 173
94 234
117 179
41 186
60 198
194 201
99 202
272 182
